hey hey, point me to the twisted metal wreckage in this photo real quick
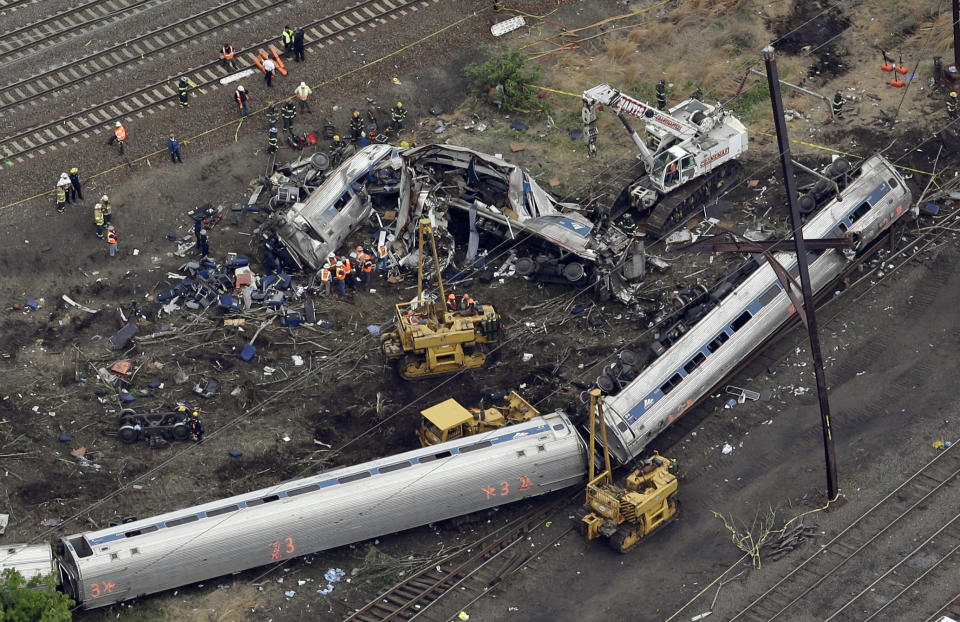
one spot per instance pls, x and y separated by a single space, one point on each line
316 209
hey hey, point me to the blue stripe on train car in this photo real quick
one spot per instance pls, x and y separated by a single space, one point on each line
575 226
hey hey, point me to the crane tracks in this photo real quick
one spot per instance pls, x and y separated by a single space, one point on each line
844 559
36 140
19 42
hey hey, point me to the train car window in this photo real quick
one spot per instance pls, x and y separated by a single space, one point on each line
695 362
892 182
860 212
741 321
721 339
346 479
137 532
271 498
842 227
81 547
475 446
623 427
767 297
393 467
559 427
669 385
303 490
794 270
252 502
223 510
181 521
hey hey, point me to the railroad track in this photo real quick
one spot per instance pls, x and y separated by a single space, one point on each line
461 578
14 4
30 142
899 589
17 43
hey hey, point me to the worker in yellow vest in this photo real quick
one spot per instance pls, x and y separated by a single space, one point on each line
303 93
98 219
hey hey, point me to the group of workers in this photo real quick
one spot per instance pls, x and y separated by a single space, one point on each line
70 190
346 270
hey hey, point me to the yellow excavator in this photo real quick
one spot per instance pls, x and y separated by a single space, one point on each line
430 339
448 420
626 514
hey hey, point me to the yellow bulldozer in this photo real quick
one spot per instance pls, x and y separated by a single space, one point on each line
626 514
448 420
431 339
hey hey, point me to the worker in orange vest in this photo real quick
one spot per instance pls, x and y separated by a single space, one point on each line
366 267
381 258
340 274
119 135
348 269
325 279
112 241
452 302
465 302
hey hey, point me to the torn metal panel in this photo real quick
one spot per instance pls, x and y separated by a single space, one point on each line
320 224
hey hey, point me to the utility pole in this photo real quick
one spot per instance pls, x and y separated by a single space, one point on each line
956 34
783 143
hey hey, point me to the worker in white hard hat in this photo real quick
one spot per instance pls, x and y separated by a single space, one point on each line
107 208
303 93
63 187
119 135
340 276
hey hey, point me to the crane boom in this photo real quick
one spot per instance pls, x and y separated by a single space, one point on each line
622 103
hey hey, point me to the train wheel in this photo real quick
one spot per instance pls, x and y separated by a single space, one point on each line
180 432
127 434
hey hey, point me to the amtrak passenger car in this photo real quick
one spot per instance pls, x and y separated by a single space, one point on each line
743 320
334 508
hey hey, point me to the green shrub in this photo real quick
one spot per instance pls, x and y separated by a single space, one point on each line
512 70
35 600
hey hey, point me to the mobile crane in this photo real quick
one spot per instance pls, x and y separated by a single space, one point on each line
430 339
625 514
691 156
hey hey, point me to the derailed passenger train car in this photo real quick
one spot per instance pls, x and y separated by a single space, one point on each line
750 313
337 507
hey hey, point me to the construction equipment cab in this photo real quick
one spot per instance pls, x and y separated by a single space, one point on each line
689 154
431 339
448 420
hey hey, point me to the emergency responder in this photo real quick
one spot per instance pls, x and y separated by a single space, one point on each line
337 148
226 57
240 96
203 244
195 426
182 88
98 219
398 114
341 276
107 209
289 112
197 228
383 257
356 126
365 262
272 140
952 105
451 302
661 95
119 135
298 45
351 271
76 192
303 93
273 115
269 67
838 103
173 146
112 240
62 185
287 38
698 94
324 273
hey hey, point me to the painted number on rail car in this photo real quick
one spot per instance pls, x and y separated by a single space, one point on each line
279 548
100 589
502 489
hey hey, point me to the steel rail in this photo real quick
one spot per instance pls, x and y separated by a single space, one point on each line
885 511
72 126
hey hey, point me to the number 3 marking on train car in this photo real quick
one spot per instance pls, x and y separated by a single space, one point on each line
278 549
99 589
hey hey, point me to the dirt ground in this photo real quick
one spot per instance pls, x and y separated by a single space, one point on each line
889 352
